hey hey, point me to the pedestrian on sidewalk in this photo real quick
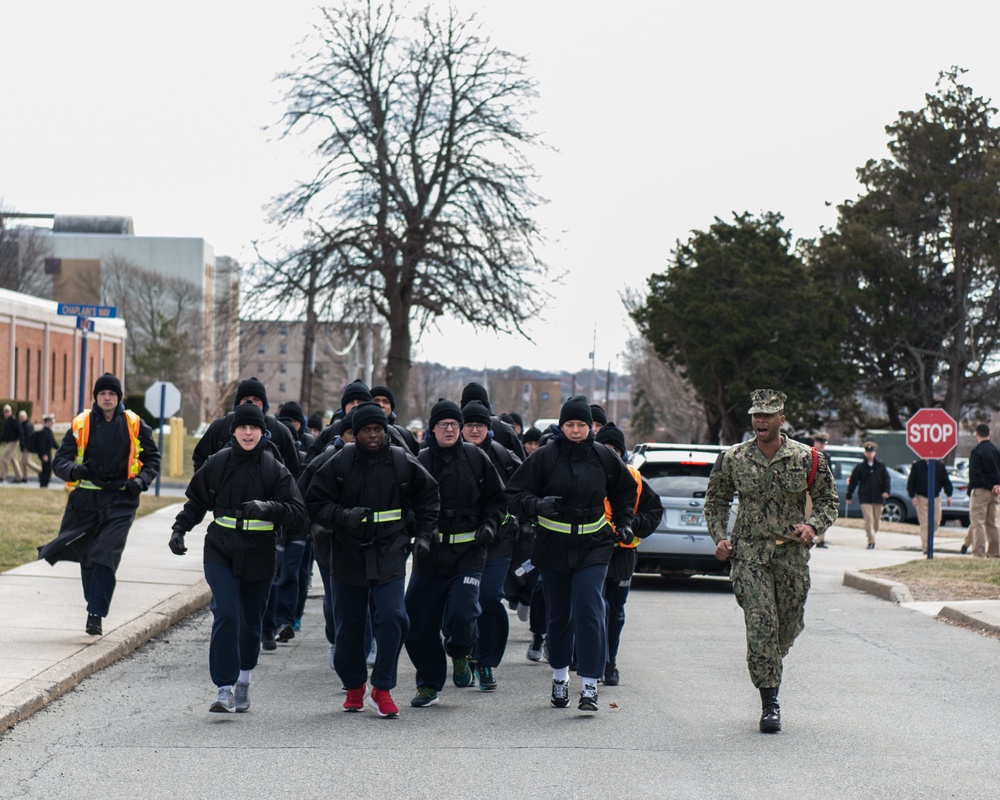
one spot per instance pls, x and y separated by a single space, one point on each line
10 447
984 492
871 479
769 549
916 488
44 445
250 493
109 458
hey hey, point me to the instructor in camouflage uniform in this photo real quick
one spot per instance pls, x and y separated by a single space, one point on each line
771 540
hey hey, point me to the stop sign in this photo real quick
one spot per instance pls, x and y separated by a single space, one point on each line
932 433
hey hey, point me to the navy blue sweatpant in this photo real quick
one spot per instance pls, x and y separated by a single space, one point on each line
494 623
237 610
574 605
350 614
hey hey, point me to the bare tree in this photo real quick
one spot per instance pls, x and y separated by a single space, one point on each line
421 205
163 320
23 252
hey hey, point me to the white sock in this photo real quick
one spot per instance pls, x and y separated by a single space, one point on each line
560 674
230 688
588 683
244 676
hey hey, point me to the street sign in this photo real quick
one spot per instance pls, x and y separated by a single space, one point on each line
77 310
85 324
931 433
166 393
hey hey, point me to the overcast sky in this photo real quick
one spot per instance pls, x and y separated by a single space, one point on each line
661 116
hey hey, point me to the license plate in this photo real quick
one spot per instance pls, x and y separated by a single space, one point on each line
693 518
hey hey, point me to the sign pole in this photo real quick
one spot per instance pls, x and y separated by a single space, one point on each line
931 500
83 371
163 403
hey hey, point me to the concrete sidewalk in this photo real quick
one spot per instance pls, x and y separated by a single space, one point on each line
46 652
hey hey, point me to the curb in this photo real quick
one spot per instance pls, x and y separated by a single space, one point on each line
887 590
965 618
55 681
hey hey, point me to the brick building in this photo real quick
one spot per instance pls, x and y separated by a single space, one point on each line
40 355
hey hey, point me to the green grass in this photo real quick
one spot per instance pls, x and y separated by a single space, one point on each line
31 517
972 570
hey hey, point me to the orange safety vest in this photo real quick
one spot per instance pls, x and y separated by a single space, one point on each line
638 490
81 432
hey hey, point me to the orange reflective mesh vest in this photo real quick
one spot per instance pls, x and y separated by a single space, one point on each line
638 490
81 432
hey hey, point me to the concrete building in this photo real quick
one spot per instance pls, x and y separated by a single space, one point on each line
81 245
40 356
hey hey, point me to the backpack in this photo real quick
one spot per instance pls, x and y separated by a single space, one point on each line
477 463
399 467
269 471
605 456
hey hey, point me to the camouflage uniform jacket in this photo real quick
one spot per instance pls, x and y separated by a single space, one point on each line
772 496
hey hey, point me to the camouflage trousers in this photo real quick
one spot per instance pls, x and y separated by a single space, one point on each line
772 594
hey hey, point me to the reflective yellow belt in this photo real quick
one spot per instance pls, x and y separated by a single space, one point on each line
89 485
572 527
245 524
392 515
457 538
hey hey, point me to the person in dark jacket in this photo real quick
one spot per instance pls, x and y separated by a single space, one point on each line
648 513
28 439
10 447
871 479
218 434
502 431
563 485
108 455
445 584
364 495
984 494
916 488
250 493
494 623
45 443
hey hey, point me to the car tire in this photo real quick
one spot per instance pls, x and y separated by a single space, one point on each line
894 510
964 521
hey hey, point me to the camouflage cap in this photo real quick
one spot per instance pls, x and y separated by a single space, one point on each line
766 401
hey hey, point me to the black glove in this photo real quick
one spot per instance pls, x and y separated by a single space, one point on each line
487 531
351 518
259 509
422 546
547 506
81 471
177 542
625 534
134 487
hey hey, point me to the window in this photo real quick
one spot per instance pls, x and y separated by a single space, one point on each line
283 349
260 369
282 367
262 329
282 388
52 379
65 373
283 330
261 349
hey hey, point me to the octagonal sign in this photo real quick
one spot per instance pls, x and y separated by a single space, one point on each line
931 433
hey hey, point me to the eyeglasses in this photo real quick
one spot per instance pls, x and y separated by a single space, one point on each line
474 427
449 426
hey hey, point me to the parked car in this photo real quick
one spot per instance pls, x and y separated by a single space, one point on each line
680 545
897 508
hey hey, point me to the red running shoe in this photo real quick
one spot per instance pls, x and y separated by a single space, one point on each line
381 701
355 698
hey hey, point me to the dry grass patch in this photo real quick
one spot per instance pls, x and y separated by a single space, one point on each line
946 578
30 517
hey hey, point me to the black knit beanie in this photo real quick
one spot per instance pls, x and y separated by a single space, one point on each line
445 409
248 414
597 414
532 434
108 382
356 390
576 408
476 412
613 435
292 410
475 391
251 387
367 414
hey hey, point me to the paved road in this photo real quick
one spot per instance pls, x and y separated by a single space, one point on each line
878 701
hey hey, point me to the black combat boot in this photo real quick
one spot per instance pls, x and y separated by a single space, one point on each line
770 718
